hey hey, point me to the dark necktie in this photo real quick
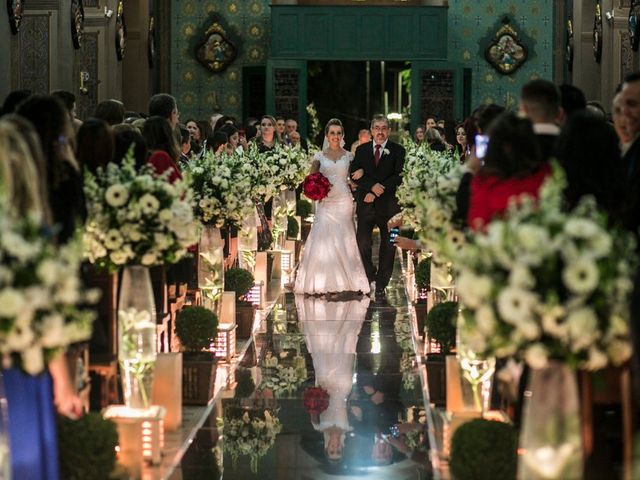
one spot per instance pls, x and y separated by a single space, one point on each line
376 155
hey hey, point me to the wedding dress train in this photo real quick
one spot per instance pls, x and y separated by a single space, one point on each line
331 260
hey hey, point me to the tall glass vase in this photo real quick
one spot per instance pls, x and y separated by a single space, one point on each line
211 267
280 212
550 438
136 336
476 371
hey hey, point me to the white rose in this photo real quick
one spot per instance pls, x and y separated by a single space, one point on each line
53 332
17 246
118 257
149 258
520 276
551 323
581 228
529 329
116 195
473 289
583 328
11 302
536 356
33 360
19 338
69 291
485 320
619 351
149 204
597 360
47 271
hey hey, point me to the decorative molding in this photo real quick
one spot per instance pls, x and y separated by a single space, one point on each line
77 23
365 3
42 5
34 60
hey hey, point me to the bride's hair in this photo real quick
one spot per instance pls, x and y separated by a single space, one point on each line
333 121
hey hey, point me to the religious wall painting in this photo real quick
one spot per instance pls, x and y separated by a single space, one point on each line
505 51
216 51
597 33
77 23
121 31
15 9
634 18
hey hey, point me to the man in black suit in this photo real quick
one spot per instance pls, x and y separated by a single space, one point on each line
381 162
540 103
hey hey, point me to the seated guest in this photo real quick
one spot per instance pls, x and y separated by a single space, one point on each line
434 139
540 103
111 111
513 166
620 124
185 145
124 138
12 101
165 106
161 144
364 136
94 144
572 100
418 135
217 142
589 152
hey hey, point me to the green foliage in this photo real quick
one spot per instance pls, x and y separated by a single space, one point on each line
441 324
196 328
238 280
423 273
484 449
292 227
86 447
246 385
303 208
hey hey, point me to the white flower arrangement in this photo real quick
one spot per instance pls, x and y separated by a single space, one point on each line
424 172
137 217
222 188
249 432
40 290
543 284
289 166
283 376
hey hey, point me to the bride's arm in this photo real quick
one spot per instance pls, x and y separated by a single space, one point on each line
315 166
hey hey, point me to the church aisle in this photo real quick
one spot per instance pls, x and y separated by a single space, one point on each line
359 351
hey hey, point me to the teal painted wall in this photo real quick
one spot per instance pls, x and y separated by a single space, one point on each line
200 92
471 20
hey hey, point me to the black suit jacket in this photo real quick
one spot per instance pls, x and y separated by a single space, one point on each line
547 145
631 170
388 173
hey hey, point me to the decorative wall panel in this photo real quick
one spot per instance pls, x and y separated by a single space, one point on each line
287 91
34 67
437 94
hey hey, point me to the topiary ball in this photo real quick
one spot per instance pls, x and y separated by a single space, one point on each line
441 324
238 280
87 447
303 208
423 273
196 328
484 450
292 227
245 384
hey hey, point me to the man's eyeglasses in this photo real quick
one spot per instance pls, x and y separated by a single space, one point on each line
380 129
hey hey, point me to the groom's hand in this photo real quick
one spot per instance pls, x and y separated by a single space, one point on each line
378 189
369 198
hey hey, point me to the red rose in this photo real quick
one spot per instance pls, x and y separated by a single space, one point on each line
315 400
316 186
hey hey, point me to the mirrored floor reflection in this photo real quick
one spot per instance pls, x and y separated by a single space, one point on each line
359 352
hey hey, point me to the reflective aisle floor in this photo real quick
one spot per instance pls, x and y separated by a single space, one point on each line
359 350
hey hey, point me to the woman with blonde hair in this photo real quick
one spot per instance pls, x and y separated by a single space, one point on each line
32 400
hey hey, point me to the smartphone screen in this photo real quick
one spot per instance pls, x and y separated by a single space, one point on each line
482 141
393 233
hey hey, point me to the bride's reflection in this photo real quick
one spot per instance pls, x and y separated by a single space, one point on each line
331 331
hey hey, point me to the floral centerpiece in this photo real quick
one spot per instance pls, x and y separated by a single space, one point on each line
222 188
544 284
423 171
137 217
284 375
40 290
250 432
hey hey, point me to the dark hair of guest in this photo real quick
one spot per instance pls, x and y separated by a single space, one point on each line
123 141
513 150
158 135
94 144
111 111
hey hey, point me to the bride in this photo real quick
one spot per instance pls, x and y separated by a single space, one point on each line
331 260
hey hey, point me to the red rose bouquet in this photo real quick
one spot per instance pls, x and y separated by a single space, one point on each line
316 400
316 186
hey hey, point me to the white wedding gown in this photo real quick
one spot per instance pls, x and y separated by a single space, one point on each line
331 260
331 333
